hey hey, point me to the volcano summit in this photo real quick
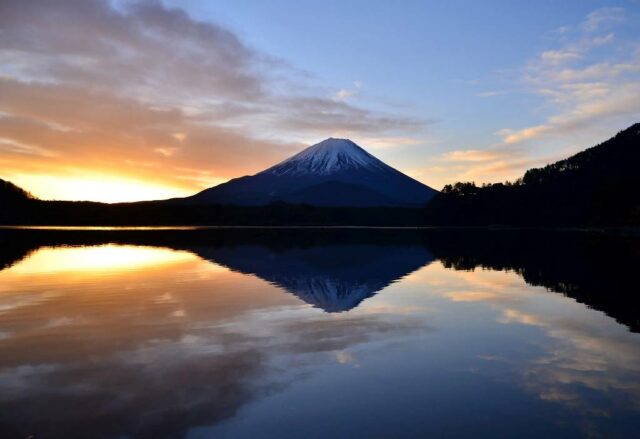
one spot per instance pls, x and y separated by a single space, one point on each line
334 172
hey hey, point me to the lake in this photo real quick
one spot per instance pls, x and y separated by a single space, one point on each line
291 333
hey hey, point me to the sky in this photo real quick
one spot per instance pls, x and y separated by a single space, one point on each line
131 100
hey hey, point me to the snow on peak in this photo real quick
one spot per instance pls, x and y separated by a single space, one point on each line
329 156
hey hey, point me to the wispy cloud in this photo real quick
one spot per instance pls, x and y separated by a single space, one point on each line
602 17
470 155
344 94
557 57
584 88
493 93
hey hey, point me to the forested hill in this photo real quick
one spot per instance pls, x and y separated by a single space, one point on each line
10 193
598 186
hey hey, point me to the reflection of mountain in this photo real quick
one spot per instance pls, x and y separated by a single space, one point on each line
321 265
334 270
334 278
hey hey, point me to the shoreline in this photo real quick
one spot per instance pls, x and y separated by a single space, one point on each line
632 230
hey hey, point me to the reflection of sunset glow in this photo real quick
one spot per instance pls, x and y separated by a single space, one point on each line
473 296
79 325
112 258
107 189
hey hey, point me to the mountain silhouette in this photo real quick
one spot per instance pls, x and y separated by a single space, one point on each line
334 172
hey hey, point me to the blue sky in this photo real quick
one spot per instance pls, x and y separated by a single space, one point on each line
458 65
444 91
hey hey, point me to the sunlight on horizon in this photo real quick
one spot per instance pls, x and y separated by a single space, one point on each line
105 188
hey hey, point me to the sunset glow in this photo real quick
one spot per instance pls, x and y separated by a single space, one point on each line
169 98
319 219
107 189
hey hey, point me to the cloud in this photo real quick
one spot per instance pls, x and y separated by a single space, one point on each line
603 40
585 90
556 57
344 94
602 17
470 155
585 83
495 164
513 136
584 109
598 71
155 93
319 115
389 141
490 94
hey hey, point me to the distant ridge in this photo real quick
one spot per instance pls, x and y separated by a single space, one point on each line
334 172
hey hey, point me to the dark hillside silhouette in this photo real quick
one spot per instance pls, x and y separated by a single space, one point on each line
10 193
598 186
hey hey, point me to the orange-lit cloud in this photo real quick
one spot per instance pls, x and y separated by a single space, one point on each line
154 104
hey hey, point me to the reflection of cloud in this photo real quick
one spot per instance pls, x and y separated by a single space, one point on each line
322 335
344 357
157 350
516 316
586 361
476 296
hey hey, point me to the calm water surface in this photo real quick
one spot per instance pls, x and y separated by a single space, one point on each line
289 334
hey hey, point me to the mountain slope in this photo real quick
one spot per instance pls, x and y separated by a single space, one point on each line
334 172
600 185
10 193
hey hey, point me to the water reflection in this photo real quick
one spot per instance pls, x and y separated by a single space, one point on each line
334 277
261 333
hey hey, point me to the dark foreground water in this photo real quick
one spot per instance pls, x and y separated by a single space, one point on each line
318 334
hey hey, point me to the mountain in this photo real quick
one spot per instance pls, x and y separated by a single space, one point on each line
598 186
334 172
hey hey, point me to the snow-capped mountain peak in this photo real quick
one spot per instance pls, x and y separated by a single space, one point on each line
334 172
327 157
